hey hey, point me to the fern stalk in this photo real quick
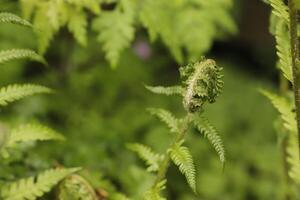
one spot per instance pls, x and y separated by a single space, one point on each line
161 174
295 62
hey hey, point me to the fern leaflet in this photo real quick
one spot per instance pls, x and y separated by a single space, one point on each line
172 90
181 156
11 18
15 92
33 187
166 117
152 159
204 127
154 192
13 54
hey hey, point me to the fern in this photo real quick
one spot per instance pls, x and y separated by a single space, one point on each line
181 156
15 92
115 31
284 108
13 54
204 127
202 83
173 90
78 26
283 50
11 18
154 192
33 187
280 10
152 159
76 187
166 117
32 132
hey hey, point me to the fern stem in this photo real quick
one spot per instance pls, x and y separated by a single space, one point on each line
295 62
161 174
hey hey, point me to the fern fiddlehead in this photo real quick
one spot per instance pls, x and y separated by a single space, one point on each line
201 83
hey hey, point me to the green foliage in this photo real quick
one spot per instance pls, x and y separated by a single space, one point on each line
33 187
280 10
13 54
153 160
182 157
11 18
210 132
116 30
201 82
15 92
285 109
168 118
173 90
116 25
154 192
76 187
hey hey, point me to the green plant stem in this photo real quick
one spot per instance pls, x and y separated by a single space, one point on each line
161 174
295 62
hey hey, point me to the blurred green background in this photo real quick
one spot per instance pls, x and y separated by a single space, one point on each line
100 110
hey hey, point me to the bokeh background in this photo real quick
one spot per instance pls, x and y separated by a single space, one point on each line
100 110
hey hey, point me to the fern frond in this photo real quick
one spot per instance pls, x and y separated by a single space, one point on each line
32 132
293 157
166 117
209 131
78 26
76 187
116 32
284 108
11 18
280 10
154 192
33 187
15 92
13 54
283 49
172 90
152 159
182 157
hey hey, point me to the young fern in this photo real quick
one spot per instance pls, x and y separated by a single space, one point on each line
201 83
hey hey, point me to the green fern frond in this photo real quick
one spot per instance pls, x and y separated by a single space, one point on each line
152 159
166 117
293 157
13 54
11 18
280 10
285 108
283 49
78 26
182 157
15 92
32 132
209 131
116 32
33 187
154 192
76 187
172 90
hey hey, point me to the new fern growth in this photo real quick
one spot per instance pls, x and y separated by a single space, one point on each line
201 83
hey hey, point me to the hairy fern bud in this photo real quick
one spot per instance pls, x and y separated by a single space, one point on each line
202 82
